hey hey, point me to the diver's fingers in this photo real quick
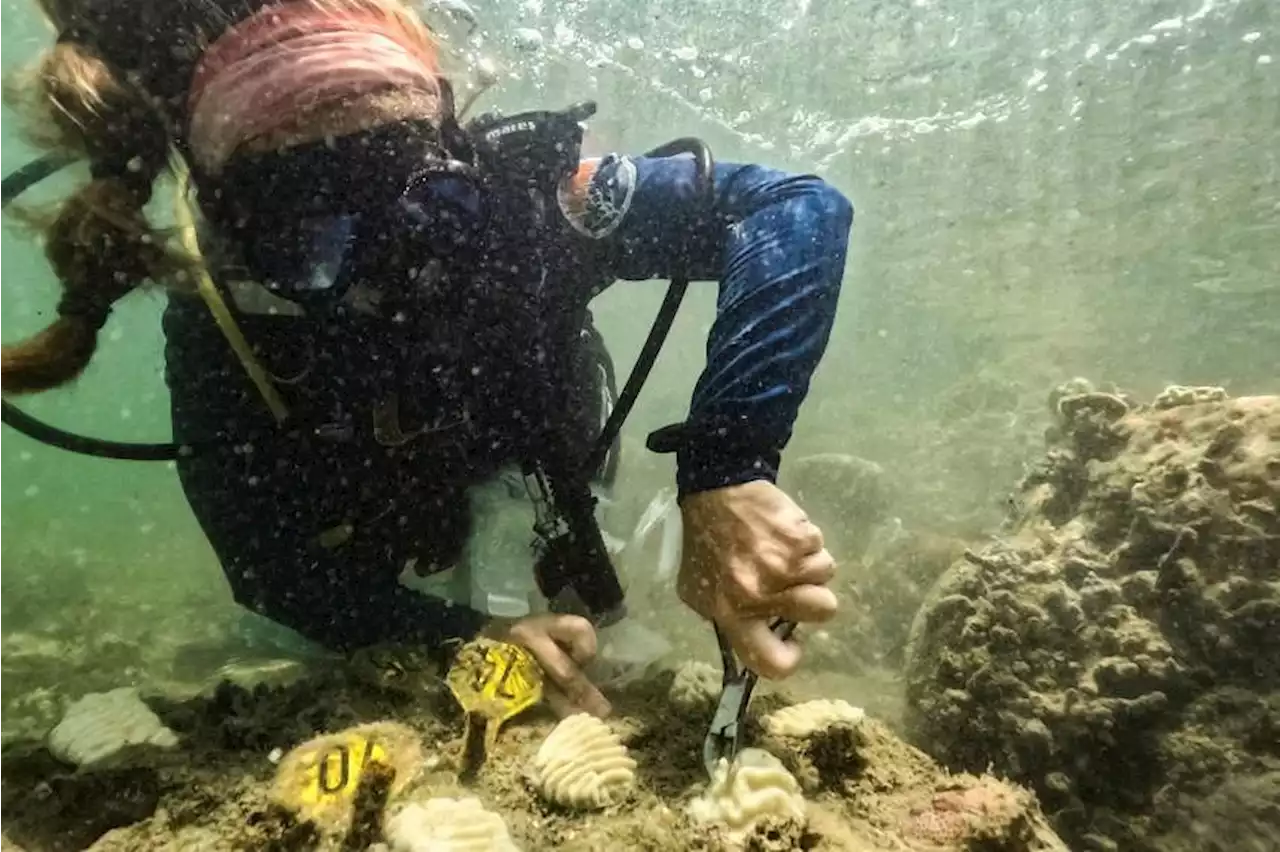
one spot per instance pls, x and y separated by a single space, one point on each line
760 649
576 635
559 702
816 569
564 673
803 604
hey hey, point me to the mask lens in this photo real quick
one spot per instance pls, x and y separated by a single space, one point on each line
447 210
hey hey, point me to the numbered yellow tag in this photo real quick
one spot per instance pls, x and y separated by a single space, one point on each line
336 772
495 679
319 779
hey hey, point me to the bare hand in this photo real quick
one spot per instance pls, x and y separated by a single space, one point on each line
750 555
562 645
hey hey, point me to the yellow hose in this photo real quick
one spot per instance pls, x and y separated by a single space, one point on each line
217 305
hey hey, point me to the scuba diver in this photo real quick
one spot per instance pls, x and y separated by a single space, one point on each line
411 327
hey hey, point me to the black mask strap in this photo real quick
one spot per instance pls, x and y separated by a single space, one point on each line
535 148
455 140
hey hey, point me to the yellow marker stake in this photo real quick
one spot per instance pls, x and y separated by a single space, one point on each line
493 681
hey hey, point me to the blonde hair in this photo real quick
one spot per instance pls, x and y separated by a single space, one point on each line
99 242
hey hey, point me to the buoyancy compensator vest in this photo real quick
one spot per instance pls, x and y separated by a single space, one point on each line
482 214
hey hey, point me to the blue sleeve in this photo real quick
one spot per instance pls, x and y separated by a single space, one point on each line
776 242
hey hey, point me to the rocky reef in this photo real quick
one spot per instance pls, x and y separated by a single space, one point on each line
318 764
1117 646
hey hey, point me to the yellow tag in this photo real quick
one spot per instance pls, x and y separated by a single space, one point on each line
320 779
495 679
335 773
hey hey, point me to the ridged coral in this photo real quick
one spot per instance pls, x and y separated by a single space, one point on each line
755 787
107 727
810 717
582 764
448 825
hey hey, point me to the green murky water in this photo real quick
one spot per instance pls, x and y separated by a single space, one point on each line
1043 190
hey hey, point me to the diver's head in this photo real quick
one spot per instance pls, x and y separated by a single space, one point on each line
309 70
245 88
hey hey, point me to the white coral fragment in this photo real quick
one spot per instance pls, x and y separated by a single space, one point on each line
582 764
1175 396
105 727
755 787
448 825
811 717
694 687
1110 405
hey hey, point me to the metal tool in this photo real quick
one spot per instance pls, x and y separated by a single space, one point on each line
724 739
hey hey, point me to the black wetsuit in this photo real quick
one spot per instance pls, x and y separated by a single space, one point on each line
313 522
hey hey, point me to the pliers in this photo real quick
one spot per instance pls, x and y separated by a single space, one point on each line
724 739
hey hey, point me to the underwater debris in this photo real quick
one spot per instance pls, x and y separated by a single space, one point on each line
583 764
448 825
109 728
1117 648
624 652
320 780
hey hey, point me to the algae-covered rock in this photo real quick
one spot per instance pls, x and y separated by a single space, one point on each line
894 795
1118 648
845 783
845 495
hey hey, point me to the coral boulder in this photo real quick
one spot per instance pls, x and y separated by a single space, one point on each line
1117 648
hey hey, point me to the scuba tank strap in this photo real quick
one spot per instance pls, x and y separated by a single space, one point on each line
573 559
18 182
214 301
